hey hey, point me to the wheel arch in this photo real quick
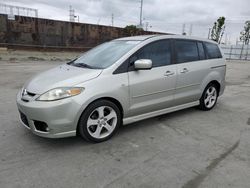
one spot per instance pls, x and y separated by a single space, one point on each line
217 84
213 77
115 101
204 85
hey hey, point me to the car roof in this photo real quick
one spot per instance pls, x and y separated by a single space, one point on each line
190 38
162 36
137 38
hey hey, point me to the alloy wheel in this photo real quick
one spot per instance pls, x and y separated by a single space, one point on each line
210 97
101 122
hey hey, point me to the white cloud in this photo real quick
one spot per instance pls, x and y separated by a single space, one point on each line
162 15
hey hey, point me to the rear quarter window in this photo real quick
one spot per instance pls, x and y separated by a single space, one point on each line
212 50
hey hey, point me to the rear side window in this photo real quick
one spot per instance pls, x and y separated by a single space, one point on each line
201 51
186 51
159 52
213 50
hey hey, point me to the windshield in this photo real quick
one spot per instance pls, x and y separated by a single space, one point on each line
104 55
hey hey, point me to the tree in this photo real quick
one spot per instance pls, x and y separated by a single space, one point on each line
245 34
218 29
132 30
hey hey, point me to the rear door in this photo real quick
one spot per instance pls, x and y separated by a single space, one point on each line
191 70
153 89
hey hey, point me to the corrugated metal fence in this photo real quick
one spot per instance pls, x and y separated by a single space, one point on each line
236 52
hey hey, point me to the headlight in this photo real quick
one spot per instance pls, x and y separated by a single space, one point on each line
60 93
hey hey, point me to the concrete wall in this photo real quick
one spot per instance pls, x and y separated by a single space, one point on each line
45 32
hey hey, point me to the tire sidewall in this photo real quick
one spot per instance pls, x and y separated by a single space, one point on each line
82 125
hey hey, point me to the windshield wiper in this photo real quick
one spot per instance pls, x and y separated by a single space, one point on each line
72 61
82 65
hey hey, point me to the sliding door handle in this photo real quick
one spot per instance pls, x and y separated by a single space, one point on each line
184 70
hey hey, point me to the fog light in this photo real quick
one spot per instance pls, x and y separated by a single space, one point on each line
41 126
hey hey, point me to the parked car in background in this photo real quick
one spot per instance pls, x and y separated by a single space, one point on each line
121 82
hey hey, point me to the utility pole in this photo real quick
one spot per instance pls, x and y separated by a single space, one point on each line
209 31
190 29
225 39
11 13
183 29
98 21
141 13
112 20
71 14
147 23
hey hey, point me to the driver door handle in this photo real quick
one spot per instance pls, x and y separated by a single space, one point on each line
184 70
168 73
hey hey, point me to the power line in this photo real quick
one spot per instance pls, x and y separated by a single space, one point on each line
120 3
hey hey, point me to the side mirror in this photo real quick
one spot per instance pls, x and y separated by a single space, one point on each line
143 64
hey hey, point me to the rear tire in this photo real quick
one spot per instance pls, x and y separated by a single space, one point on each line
100 121
209 97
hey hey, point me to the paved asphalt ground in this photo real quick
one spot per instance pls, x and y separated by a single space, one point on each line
185 149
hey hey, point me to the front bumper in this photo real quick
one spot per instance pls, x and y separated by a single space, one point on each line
61 117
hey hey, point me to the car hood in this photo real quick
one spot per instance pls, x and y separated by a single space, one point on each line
61 76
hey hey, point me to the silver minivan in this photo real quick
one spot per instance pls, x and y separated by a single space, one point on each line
121 82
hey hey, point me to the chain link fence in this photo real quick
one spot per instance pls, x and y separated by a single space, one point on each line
236 52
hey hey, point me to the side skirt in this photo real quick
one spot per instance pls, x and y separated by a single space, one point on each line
133 119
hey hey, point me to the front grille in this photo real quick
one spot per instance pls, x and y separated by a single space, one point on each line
24 119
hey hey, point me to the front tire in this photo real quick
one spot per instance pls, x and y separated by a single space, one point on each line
100 121
209 97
